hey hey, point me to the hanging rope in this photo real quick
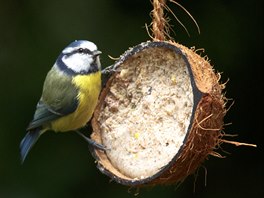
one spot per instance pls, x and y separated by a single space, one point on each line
158 20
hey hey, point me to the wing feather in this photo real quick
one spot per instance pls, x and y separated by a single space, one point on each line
59 98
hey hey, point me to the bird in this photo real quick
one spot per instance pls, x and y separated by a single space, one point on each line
69 95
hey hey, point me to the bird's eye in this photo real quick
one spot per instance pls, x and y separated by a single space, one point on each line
80 50
84 51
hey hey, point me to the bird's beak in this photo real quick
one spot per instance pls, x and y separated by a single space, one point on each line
96 53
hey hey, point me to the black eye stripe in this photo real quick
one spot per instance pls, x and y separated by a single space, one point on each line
84 50
79 51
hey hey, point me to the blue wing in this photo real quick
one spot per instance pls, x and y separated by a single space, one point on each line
59 98
45 114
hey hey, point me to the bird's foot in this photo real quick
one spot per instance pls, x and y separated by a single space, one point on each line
109 70
92 142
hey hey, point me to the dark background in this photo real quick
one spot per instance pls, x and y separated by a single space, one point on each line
33 33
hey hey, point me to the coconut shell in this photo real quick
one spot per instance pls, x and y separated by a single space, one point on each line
205 121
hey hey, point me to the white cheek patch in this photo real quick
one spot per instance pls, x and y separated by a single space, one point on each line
78 62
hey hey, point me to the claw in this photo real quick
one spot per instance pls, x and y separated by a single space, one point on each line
92 142
109 69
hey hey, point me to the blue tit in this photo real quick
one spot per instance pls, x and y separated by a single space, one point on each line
69 96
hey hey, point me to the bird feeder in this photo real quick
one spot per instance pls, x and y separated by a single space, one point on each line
160 115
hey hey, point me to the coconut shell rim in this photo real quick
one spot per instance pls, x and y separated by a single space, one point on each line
197 96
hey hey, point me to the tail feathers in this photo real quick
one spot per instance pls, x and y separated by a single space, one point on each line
28 142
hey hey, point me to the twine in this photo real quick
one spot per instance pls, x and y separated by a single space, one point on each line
160 26
158 20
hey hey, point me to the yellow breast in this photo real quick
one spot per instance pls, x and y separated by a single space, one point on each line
89 87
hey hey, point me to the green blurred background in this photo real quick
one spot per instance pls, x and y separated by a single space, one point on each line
33 33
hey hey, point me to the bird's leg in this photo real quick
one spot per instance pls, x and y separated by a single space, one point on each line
92 142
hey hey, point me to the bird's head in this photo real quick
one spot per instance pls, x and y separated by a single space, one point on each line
80 57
